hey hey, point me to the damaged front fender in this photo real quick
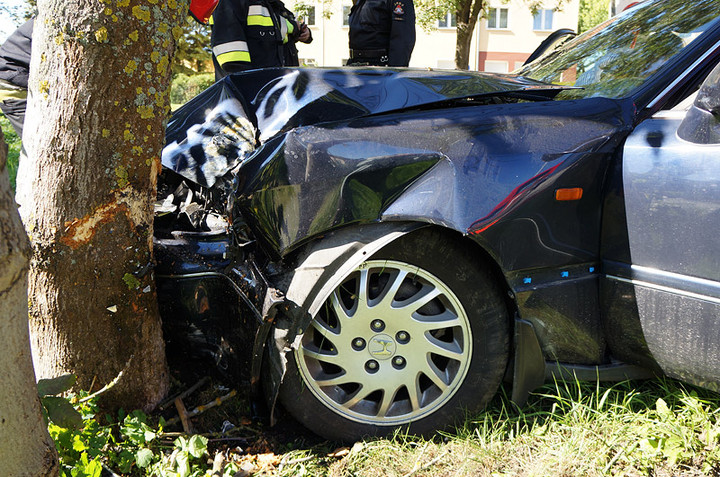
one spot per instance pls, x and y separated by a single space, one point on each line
310 181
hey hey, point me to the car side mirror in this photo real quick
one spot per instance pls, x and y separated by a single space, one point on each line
702 121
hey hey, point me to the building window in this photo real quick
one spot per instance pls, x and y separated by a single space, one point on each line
308 17
449 20
496 66
346 15
543 20
497 18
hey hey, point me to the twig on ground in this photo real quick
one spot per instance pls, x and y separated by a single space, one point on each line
184 418
201 409
183 394
109 470
110 384
285 462
428 465
224 439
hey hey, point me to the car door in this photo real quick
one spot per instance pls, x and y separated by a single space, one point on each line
671 184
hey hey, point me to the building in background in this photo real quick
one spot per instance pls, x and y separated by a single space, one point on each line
501 42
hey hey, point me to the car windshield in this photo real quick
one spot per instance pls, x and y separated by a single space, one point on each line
617 56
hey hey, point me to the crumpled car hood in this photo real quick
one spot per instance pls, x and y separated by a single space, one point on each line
215 131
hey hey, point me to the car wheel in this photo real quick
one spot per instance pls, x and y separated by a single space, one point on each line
413 338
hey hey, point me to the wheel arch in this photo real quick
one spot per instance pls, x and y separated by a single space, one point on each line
313 272
322 264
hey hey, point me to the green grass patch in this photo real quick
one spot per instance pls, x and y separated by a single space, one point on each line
14 146
656 427
651 428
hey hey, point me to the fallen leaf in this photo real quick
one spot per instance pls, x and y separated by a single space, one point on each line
269 459
339 452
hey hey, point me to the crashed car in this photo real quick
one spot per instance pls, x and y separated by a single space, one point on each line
377 248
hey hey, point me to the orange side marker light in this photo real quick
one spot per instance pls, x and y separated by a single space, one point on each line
569 194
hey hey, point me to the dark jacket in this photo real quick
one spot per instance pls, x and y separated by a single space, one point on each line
291 52
383 25
249 34
15 55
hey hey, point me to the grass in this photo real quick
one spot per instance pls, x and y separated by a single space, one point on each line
657 427
13 142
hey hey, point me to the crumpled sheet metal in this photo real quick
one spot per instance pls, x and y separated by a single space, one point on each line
217 130
210 138
282 99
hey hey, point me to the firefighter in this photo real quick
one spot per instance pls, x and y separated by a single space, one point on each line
251 34
382 32
305 36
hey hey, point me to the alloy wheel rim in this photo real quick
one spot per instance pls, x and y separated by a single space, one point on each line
392 344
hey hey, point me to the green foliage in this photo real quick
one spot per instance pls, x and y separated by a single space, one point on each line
81 448
654 427
55 408
185 460
303 7
14 147
132 445
428 12
185 87
625 429
54 386
592 12
192 53
679 434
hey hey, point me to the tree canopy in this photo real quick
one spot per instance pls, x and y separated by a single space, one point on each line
592 12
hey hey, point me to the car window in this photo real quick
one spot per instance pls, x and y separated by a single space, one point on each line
617 56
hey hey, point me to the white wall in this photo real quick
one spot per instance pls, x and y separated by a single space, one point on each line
437 48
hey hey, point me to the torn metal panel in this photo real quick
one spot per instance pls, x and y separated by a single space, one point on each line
215 131
209 135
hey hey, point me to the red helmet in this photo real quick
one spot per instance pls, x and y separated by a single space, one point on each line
201 10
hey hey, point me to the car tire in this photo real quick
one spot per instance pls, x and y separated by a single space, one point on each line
384 359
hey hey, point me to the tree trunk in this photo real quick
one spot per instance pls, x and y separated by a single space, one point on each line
25 446
99 98
467 12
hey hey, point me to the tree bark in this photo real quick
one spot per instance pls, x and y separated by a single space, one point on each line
25 446
99 99
467 12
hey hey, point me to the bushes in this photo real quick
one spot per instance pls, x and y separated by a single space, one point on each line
186 87
14 146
